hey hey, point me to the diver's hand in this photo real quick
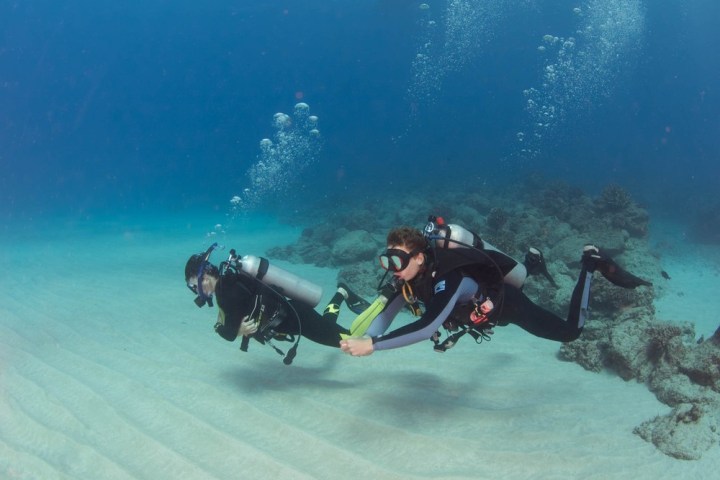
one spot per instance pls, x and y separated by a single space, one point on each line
357 346
248 326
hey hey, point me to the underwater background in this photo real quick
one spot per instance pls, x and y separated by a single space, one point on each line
133 134
159 105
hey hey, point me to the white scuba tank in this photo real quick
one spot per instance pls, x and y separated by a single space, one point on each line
285 282
459 237
455 233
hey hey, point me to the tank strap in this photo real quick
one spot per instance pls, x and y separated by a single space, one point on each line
262 268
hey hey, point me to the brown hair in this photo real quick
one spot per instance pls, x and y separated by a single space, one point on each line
408 237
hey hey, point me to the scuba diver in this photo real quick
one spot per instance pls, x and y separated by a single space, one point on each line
261 301
468 287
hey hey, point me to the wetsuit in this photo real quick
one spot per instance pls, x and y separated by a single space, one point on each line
453 292
239 296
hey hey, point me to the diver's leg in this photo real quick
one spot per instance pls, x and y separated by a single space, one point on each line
544 324
332 310
518 309
580 299
322 329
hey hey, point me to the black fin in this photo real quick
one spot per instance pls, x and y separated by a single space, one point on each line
355 302
618 276
535 264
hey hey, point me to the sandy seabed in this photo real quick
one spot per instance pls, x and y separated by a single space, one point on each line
108 370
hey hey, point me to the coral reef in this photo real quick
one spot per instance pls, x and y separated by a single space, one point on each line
363 277
621 211
497 218
682 374
685 433
355 246
614 199
339 241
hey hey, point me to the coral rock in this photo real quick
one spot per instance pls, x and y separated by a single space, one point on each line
685 433
355 246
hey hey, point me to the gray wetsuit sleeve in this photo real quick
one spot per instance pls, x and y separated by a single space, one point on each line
448 291
384 319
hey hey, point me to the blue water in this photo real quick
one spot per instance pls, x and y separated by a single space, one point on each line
132 133
161 105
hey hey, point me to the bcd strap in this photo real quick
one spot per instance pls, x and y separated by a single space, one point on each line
267 337
267 334
290 356
449 342
414 308
480 334
411 301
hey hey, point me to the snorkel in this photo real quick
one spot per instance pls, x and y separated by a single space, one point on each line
202 298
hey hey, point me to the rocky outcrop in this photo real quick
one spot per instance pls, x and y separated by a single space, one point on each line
682 373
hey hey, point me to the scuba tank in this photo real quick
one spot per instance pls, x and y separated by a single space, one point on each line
281 280
450 235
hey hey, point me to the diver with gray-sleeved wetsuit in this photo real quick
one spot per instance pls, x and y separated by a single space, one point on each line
456 281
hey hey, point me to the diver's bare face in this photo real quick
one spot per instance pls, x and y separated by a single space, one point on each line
208 284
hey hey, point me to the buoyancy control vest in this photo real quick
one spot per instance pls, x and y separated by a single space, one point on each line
269 288
453 247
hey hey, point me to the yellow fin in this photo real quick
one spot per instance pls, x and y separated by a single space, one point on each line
362 322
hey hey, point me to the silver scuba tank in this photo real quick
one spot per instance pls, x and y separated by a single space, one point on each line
285 282
455 236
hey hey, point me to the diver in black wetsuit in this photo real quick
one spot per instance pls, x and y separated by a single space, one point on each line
471 289
251 308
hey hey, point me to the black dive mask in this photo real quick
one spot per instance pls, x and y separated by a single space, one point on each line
396 260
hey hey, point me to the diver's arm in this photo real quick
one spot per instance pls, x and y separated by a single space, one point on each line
450 289
233 308
227 332
383 321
